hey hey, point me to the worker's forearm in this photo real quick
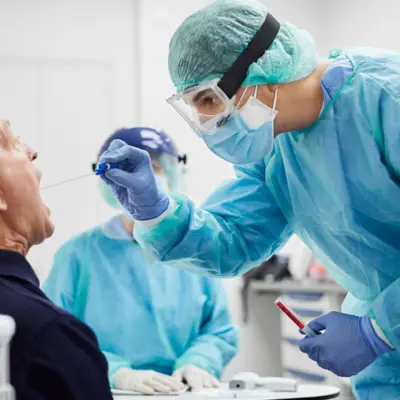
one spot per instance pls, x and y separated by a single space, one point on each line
200 240
380 333
153 222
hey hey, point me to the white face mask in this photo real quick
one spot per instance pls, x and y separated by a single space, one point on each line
248 134
255 113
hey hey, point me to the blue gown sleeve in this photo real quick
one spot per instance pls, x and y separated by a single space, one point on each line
115 362
388 131
60 285
218 342
385 308
239 225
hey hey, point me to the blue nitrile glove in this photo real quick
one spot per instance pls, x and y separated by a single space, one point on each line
348 345
133 182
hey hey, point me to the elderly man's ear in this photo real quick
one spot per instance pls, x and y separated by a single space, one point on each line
3 203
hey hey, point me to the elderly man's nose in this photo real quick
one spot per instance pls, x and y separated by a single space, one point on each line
31 154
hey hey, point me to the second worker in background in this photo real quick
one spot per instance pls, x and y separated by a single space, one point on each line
157 326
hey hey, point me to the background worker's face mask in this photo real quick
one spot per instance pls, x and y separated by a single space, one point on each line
108 196
248 134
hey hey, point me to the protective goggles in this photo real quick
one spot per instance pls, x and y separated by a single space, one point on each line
205 107
208 105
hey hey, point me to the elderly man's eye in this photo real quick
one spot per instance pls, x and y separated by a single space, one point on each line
19 145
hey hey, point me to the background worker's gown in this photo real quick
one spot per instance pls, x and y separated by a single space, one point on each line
145 317
336 184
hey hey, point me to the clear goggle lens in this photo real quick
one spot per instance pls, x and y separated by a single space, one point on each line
205 107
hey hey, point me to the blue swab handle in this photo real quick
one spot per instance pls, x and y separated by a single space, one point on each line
102 168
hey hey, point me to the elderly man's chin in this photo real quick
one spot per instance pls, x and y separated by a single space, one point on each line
49 226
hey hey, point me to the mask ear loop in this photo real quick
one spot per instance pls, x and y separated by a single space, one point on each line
275 99
241 97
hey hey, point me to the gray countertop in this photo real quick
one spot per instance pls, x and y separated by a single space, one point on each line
297 286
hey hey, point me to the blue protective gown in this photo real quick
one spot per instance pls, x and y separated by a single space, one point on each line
336 184
145 317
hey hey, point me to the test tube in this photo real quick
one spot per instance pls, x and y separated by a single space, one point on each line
294 317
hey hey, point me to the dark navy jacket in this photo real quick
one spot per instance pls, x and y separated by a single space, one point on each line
53 355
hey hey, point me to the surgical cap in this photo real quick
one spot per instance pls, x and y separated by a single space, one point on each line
208 42
146 138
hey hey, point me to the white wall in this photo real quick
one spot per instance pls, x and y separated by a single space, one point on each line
259 343
360 23
68 77
158 20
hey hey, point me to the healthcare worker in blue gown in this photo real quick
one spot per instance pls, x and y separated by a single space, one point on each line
316 147
152 321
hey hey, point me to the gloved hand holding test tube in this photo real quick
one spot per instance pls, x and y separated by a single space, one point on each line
295 318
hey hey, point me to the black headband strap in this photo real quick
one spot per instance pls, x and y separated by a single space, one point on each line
261 42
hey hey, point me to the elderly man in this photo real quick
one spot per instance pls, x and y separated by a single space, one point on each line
53 355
